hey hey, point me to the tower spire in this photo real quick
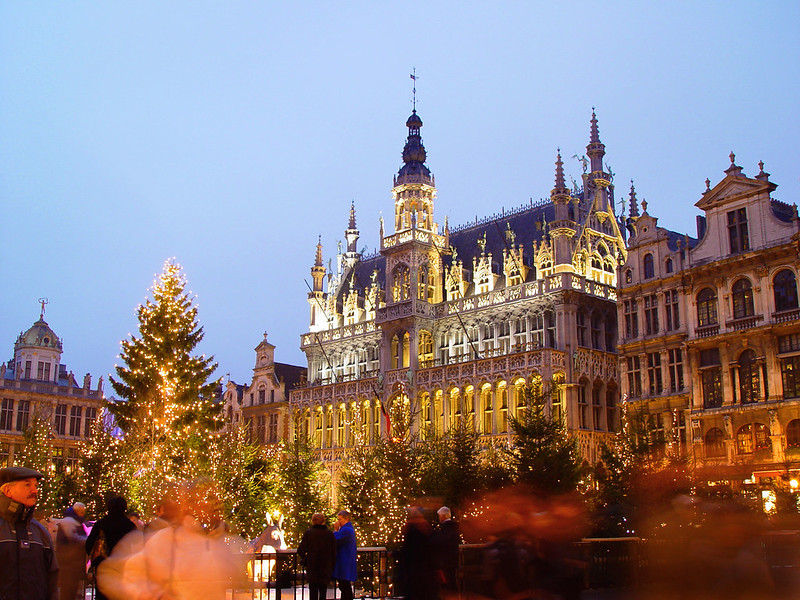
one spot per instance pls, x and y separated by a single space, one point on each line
318 271
595 150
634 211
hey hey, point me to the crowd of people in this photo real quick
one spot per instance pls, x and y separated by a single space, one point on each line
187 553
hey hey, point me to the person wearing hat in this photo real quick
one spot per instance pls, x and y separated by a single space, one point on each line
28 567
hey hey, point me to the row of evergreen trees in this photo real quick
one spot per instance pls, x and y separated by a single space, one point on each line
171 431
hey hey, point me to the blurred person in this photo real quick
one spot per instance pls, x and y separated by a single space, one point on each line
345 571
28 565
445 541
71 551
317 552
419 568
189 560
168 513
136 519
106 534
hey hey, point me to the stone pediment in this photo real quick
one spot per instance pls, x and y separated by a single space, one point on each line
732 188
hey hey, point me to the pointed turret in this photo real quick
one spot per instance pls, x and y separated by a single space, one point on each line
560 193
351 233
634 203
596 150
318 270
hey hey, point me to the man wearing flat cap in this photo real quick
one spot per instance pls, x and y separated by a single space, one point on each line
28 568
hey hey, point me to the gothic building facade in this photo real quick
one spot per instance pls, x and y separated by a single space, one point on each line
451 324
35 383
709 331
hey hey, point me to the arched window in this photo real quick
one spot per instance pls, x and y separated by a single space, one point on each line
793 433
706 307
742 293
752 437
749 379
715 443
400 284
785 288
649 267
668 265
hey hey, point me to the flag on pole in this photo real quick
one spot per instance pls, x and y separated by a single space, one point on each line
387 419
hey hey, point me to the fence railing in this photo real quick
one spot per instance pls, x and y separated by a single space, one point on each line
593 564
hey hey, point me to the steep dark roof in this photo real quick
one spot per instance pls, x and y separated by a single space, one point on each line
290 374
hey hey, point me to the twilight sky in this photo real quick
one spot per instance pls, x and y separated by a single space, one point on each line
230 135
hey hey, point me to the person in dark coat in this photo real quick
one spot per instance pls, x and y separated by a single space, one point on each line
71 551
446 540
417 558
28 566
345 572
113 527
317 551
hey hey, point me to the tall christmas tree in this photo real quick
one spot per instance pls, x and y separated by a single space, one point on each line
167 408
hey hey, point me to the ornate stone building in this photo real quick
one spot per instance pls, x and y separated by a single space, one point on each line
709 330
262 406
35 382
451 324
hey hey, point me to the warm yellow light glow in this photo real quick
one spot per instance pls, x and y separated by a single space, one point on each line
794 484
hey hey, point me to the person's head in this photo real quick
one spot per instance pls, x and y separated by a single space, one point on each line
444 514
20 484
343 517
318 519
117 505
169 510
80 510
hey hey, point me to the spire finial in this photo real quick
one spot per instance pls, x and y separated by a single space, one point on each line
732 156
43 302
318 258
560 181
414 89
595 133
760 166
708 184
352 224
634 209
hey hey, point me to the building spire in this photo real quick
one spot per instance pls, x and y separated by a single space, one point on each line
560 193
352 224
595 132
595 150
318 260
634 212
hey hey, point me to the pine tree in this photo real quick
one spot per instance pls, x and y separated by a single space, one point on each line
167 408
162 383
102 470
301 490
542 454
37 454
246 477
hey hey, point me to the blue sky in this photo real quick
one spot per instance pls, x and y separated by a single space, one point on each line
230 135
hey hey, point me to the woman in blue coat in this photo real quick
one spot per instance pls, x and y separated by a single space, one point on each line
344 572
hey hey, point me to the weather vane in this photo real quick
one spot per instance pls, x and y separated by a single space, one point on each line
43 302
414 89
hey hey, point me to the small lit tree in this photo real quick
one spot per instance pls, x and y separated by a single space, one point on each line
103 469
300 487
542 453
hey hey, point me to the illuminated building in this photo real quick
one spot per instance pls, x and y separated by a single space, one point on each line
710 331
35 383
450 324
262 406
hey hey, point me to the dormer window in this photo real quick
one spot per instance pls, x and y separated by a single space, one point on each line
668 265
